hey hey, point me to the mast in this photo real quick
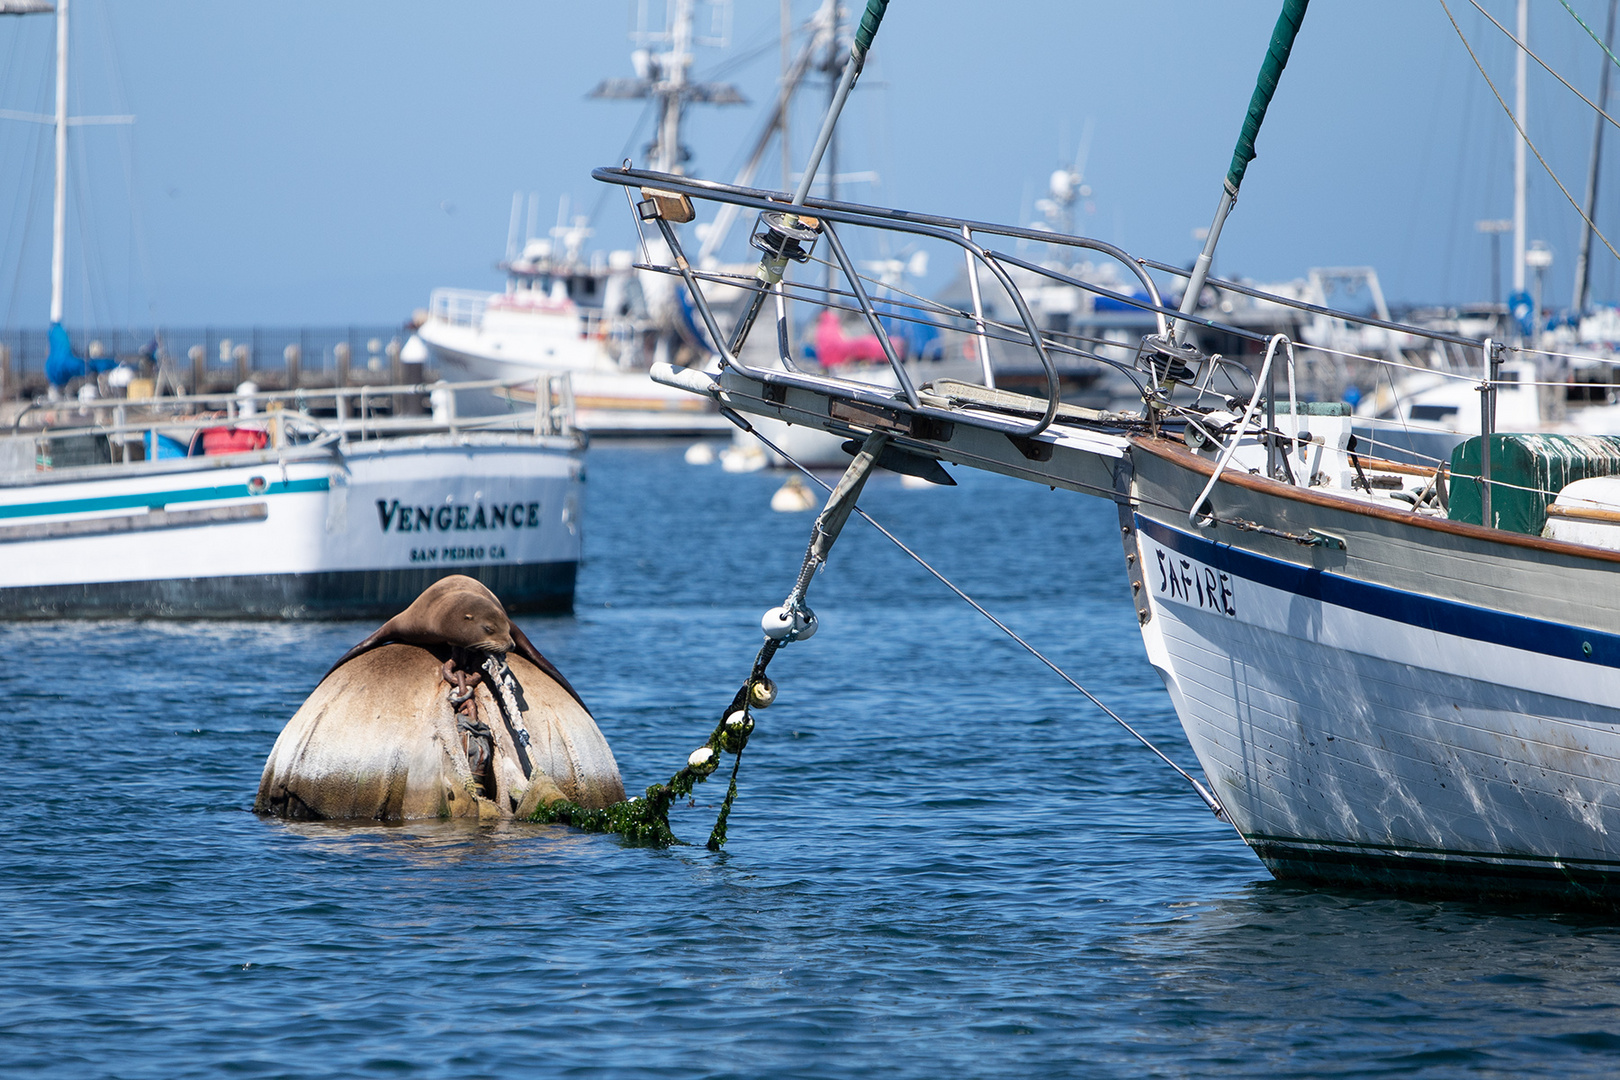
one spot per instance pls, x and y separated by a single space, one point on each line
1583 262
831 67
781 109
665 78
666 155
59 216
1519 102
1271 69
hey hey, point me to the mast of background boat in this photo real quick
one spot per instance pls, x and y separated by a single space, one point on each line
667 153
1520 100
830 66
1282 41
59 212
665 79
771 266
1583 262
825 23
781 111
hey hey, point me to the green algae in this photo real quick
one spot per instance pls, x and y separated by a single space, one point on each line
644 821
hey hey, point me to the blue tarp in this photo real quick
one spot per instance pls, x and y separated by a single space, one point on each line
1108 303
912 340
161 446
62 366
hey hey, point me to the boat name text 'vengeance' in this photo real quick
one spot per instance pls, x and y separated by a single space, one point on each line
457 518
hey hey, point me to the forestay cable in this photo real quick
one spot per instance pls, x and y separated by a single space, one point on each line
1203 792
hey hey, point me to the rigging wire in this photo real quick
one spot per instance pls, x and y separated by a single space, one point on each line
126 140
1527 51
1520 129
1203 792
26 195
624 153
1589 30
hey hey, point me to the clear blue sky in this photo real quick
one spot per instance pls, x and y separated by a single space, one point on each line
329 162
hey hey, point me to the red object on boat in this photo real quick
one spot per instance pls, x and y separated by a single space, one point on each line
224 440
834 348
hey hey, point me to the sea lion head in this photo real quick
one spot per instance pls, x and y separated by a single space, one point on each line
459 611
456 610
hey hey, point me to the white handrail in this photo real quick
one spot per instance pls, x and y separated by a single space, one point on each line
1243 425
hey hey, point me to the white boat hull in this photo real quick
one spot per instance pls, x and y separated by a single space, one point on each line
1353 730
345 534
608 401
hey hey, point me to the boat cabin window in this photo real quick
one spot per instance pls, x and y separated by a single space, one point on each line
1432 412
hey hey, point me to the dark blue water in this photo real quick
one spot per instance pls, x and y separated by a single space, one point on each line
943 862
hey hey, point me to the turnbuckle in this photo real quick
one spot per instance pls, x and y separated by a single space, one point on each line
793 620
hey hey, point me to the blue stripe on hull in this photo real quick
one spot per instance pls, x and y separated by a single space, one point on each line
157 500
1414 609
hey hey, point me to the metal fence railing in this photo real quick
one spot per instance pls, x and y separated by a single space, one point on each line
217 358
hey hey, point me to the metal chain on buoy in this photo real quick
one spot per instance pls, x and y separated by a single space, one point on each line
477 741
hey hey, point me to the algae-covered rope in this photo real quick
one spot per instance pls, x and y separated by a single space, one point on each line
645 820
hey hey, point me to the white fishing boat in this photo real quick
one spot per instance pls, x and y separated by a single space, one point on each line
594 316
539 324
255 506
339 503
1391 675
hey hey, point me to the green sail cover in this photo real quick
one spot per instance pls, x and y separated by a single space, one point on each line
869 25
1282 42
1527 473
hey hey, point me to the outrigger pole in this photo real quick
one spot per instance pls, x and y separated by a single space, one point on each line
1282 42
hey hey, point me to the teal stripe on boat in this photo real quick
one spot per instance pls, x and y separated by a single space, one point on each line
156 500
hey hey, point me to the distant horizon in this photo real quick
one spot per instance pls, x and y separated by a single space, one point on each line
320 165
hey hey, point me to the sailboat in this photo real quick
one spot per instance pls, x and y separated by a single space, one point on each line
1569 385
307 503
1387 674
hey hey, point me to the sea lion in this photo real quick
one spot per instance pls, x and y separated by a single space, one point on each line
458 610
427 718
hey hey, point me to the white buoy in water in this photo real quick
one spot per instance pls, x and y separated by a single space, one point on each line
700 454
743 459
793 497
